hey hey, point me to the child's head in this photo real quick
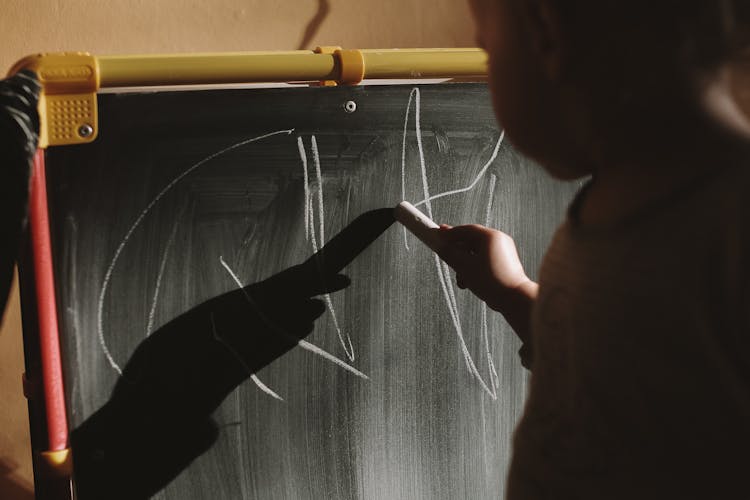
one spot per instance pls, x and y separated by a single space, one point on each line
569 77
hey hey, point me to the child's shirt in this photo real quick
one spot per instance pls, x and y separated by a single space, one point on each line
640 354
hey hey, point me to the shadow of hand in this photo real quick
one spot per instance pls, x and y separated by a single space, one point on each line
280 310
193 362
158 418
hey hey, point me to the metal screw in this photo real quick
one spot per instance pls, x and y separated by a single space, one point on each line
85 130
350 106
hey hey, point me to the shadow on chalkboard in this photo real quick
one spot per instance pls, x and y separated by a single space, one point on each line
158 419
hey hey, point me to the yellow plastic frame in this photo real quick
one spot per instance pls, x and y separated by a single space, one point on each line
70 80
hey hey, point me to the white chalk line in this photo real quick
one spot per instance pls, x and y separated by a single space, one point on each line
263 387
303 157
451 310
321 225
422 166
330 357
454 317
162 266
302 343
447 286
471 186
344 338
403 159
442 269
454 304
253 376
121 246
495 379
319 179
345 341
485 327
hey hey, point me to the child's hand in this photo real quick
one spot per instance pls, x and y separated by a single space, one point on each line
486 262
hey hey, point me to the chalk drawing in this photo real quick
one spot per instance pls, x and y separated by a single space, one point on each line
344 338
476 180
485 327
330 357
319 179
272 325
303 157
263 387
443 271
134 226
317 241
403 157
162 265
422 165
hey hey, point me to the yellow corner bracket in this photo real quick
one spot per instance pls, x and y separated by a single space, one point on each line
67 107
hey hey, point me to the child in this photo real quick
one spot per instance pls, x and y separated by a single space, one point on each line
638 334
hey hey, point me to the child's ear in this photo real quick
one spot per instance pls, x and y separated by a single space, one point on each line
546 36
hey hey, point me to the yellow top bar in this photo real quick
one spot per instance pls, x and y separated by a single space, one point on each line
295 66
70 81
425 63
255 67
195 69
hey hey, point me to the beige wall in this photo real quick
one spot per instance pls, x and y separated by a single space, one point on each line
148 26
135 26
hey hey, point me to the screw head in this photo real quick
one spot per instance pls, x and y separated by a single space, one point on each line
85 130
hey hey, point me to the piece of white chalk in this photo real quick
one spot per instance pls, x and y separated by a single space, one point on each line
418 224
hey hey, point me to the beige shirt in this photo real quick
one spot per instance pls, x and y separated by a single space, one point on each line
640 382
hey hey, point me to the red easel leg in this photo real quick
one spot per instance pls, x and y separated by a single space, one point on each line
54 395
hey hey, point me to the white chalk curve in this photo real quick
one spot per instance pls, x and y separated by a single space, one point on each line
138 220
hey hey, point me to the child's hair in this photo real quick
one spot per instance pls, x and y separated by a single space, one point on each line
672 34
635 62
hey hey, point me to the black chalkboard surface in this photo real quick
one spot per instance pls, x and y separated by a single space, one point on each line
185 193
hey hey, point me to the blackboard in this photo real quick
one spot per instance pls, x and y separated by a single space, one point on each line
182 186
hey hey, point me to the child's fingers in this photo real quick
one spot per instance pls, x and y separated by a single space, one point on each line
454 255
463 243
470 235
